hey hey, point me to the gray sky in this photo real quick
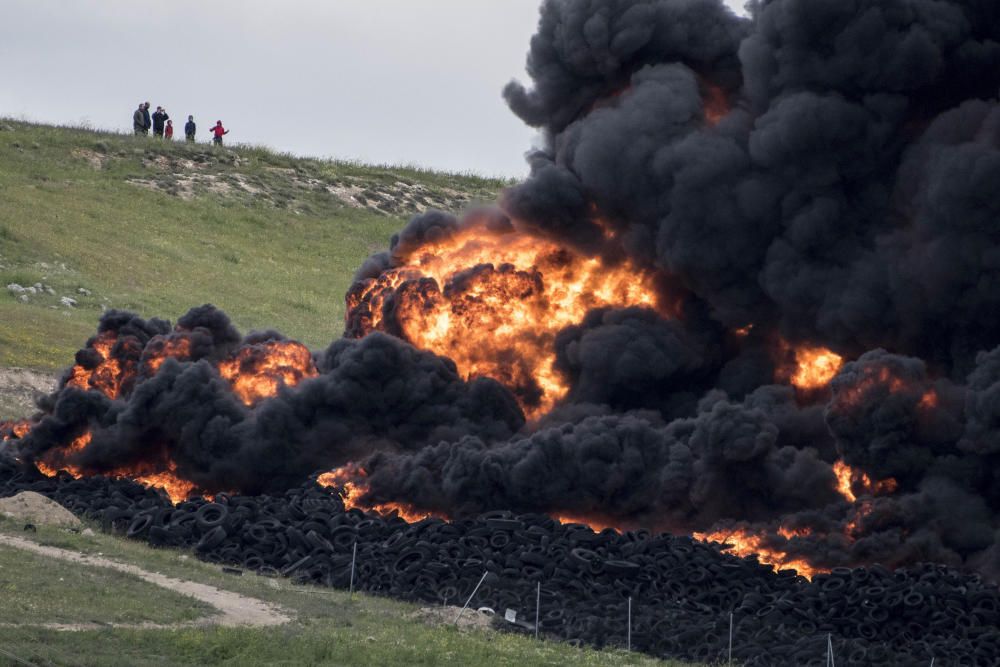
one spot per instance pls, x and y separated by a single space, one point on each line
384 81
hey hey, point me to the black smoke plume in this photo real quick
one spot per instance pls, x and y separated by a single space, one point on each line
844 196
822 173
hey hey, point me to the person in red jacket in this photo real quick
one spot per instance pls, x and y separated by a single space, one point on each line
169 132
217 133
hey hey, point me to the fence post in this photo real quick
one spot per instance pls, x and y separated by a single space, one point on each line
538 606
629 640
471 595
730 639
354 558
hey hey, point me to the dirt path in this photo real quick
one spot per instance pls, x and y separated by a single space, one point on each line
234 609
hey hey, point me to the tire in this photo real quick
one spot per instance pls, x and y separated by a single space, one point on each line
344 537
211 539
583 558
504 524
833 585
621 568
410 561
159 536
318 543
140 526
297 565
210 516
499 540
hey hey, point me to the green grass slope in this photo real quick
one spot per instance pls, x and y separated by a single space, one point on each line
115 221
329 627
38 589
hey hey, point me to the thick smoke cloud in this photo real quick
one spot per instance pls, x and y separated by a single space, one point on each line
823 174
377 393
791 212
686 475
632 358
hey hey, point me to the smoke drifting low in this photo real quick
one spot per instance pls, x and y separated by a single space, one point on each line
652 329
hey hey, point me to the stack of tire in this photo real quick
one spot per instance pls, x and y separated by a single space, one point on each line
669 596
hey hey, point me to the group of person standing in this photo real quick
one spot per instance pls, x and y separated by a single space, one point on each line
163 127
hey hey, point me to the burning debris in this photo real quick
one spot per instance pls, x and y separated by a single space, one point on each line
745 294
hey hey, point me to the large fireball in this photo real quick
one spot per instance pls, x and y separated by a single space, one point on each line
493 302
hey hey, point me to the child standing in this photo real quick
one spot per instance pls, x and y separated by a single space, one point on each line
218 131
169 132
189 129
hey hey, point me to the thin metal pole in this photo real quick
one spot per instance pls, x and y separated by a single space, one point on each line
462 611
538 607
629 624
354 558
829 651
730 638
932 661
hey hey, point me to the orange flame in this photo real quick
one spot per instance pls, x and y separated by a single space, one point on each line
11 430
716 105
844 480
257 371
848 479
349 479
108 376
56 459
871 377
493 303
853 527
929 401
160 348
176 488
596 525
743 543
815 367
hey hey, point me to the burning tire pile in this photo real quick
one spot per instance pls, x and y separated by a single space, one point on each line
747 294
682 591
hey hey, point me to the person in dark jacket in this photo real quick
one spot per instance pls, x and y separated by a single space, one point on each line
190 128
139 120
159 120
146 122
217 132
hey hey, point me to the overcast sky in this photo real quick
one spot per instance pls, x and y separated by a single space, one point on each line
384 81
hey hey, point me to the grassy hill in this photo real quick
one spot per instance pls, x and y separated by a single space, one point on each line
329 627
115 221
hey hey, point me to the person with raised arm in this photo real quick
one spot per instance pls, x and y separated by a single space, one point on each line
217 133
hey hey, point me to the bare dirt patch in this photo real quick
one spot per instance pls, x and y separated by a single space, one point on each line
35 508
470 619
19 389
94 159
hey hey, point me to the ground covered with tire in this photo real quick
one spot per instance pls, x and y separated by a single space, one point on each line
681 592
